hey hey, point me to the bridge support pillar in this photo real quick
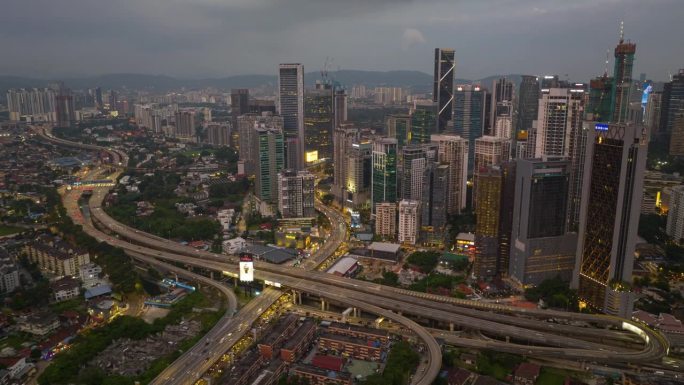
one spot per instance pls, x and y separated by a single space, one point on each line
508 339
322 304
211 275
451 326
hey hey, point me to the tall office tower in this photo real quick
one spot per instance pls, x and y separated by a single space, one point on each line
598 104
501 104
359 175
673 101
423 123
399 127
675 215
218 134
443 88
36 103
506 209
386 220
551 81
239 103
577 157
296 194
340 106
452 150
528 106
385 157
677 137
246 128
185 124
269 153
622 80
559 116
469 117
413 161
409 221
98 98
343 138
488 193
542 247
612 192
291 108
503 124
319 118
652 113
434 203
489 151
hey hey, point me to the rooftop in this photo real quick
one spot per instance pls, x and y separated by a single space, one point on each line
385 247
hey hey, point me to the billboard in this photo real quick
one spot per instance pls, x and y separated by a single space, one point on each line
246 268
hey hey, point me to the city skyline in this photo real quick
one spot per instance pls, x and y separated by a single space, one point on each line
200 40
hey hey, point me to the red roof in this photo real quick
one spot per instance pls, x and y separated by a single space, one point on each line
8 362
528 370
328 362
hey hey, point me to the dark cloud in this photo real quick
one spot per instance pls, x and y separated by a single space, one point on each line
224 37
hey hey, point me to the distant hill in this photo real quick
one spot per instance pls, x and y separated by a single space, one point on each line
410 79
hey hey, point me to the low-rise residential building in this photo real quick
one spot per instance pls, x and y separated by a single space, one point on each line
90 275
9 278
359 332
56 256
16 366
526 374
317 376
270 344
296 344
65 288
357 348
40 324
234 246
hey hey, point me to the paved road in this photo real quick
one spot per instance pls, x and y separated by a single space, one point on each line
521 324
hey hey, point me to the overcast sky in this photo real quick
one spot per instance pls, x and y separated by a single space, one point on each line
200 38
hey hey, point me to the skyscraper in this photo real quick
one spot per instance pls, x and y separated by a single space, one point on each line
246 127
65 114
528 105
414 160
269 150
359 174
622 80
319 118
501 114
296 194
340 106
385 157
560 115
343 138
291 108
399 127
598 105
612 191
185 125
423 121
239 103
673 105
409 221
541 246
489 151
434 204
469 117
38 103
488 193
452 150
443 90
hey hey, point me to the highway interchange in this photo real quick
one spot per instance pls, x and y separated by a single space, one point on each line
512 329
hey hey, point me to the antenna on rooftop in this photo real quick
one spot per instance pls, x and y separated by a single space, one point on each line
622 31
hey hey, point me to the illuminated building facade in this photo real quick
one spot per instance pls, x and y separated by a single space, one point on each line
318 121
291 108
469 117
270 155
385 158
296 194
613 189
452 150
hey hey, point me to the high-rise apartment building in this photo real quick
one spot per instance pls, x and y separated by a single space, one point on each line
409 221
452 150
239 103
218 134
414 160
469 117
340 104
385 158
65 114
489 151
185 125
612 192
319 118
359 174
528 102
343 138
675 215
423 123
443 88
399 127
487 192
296 191
672 107
386 220
246 128
36 103
269 153
291 108
541 246
560 115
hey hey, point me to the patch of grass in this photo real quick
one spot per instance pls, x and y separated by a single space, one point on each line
9 230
